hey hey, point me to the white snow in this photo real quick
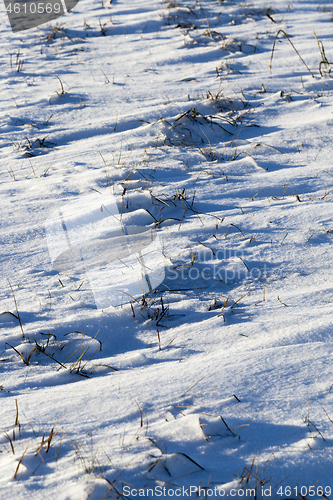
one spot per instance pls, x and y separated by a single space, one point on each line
216 151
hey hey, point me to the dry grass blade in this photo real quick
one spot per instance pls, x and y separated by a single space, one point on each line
255 473
208 390
169 344
159 340
47 441
41 445
293 46
17 352
247 267
328 416
122 291
163 313
191 460
209 248
112 487
239 427
19 463
193 386
87 335
224 306
63 91
249 471
227 426
203 432
10 442
55 31
53 359
310 424
240 298
17 311
137 404
155 444
108 366
324 61
234 225
28 358
154 464
25 361
17 422
270 17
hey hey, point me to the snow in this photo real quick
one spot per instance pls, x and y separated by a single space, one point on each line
214 153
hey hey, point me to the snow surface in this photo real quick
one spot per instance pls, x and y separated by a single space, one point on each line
222 377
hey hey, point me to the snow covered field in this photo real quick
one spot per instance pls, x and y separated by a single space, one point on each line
209 124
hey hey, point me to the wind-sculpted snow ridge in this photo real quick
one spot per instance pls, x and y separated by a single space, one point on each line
166 232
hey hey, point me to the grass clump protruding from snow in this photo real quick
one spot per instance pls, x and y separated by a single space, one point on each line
206 124
36 446
34 146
